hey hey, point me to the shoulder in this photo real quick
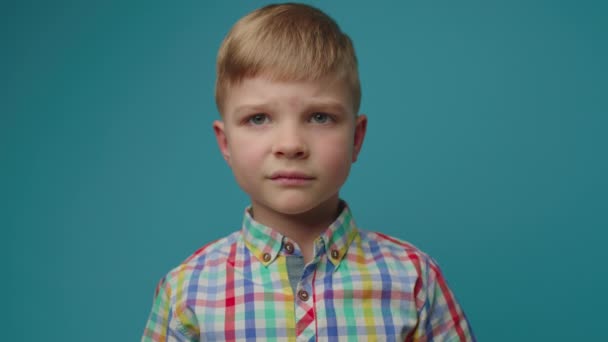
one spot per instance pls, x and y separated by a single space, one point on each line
396 252
217 250
205 260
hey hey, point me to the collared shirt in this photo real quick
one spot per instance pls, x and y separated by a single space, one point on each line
253 285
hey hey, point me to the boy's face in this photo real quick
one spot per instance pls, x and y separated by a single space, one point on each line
290 144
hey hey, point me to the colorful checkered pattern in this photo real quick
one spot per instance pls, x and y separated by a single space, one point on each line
361 286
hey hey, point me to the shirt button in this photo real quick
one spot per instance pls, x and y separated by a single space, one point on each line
289 247
335 254
303 295
267 257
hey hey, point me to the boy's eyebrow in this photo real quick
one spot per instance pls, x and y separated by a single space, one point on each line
331 106
246 108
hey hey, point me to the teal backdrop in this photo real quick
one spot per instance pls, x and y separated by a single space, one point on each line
486 148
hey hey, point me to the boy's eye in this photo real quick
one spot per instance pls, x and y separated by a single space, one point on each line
258 119
320 118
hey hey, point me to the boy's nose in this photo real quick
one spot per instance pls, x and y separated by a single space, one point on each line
290 144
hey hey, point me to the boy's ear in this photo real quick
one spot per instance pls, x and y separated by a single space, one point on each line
360 129
222 141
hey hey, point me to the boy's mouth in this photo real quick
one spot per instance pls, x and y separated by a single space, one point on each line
290 178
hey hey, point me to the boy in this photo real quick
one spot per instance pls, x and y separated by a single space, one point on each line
288 93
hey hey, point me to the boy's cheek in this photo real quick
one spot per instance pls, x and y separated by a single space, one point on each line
337 156
245 159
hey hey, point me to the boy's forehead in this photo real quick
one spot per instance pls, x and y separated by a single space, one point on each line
262 90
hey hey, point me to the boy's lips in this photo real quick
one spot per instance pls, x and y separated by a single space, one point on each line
290 178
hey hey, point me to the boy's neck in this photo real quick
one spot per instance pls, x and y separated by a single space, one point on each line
303 228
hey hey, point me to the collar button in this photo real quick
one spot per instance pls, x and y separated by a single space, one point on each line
335 254
267 257
289 247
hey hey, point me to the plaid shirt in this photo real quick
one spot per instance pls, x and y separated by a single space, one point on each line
360 286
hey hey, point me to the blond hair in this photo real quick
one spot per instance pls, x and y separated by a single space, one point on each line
286 42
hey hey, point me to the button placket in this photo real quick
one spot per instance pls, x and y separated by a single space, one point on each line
305 314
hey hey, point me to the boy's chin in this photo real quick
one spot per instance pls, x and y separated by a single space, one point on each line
290 209
294 206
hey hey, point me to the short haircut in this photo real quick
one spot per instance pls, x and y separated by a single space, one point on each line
286 42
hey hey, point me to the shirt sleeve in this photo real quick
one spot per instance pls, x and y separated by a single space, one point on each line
440 317
168 321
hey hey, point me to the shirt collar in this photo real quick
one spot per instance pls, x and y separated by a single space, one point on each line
265 243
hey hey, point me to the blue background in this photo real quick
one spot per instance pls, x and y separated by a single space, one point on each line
486 148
